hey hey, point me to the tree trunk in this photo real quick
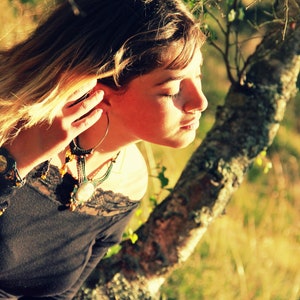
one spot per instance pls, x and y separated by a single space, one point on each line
244 126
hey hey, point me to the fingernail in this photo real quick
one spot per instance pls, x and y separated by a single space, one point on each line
100 95
99 112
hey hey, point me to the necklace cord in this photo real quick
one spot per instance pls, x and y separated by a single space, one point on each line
86 187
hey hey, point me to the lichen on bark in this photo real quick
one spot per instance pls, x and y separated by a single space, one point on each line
245 125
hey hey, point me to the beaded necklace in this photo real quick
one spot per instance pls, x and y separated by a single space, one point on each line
86 187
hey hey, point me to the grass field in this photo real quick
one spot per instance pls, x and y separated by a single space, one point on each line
252 252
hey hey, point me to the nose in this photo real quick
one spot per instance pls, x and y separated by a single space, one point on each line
193 96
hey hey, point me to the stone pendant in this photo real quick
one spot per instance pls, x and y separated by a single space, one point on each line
84 192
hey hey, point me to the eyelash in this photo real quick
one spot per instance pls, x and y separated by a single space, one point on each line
172 97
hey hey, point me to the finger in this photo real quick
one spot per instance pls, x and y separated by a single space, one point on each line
85 96
87 121
78 110
84 90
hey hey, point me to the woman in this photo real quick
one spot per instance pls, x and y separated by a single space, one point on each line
94 79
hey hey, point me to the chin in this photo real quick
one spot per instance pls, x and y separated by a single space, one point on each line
181 143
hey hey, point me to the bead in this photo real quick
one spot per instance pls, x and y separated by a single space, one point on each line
69 156
72 206
63 170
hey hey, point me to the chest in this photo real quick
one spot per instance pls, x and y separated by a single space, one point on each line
129 176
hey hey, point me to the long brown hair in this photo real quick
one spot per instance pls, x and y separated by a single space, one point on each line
113 41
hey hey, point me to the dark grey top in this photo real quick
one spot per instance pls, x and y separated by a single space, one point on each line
46 250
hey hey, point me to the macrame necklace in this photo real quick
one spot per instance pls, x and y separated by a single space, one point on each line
86 187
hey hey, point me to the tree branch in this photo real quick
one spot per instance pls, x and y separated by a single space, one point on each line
244 126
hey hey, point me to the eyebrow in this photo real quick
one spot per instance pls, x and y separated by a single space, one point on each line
179 77
172 78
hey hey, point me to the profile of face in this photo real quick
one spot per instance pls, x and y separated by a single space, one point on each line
162 107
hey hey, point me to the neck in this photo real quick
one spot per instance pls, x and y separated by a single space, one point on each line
115 139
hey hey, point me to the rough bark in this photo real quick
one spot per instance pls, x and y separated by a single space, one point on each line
245 125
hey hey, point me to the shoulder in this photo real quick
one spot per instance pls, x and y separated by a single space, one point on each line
129 175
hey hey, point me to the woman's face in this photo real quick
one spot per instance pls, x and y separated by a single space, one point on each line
161 107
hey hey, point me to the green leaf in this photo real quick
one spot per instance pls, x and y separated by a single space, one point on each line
134 237
113 251
153 200
231 16
241 14
164 181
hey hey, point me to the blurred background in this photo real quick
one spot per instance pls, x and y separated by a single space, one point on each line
253 251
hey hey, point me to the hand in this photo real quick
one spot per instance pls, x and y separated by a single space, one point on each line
38 143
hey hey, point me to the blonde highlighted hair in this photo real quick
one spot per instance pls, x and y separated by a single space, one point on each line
112 41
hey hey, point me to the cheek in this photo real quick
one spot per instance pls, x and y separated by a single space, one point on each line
147 123
148 113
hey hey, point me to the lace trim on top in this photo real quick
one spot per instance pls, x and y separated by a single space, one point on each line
103 203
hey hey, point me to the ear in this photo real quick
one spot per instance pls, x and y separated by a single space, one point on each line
108 94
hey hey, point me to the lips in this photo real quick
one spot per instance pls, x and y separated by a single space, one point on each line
191 124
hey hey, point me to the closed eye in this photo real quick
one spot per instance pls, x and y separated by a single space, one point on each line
171 96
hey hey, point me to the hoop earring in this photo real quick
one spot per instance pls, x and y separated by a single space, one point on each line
78 151
73 151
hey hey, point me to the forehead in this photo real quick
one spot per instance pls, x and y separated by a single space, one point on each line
192 69
163 75
193 65
179 54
